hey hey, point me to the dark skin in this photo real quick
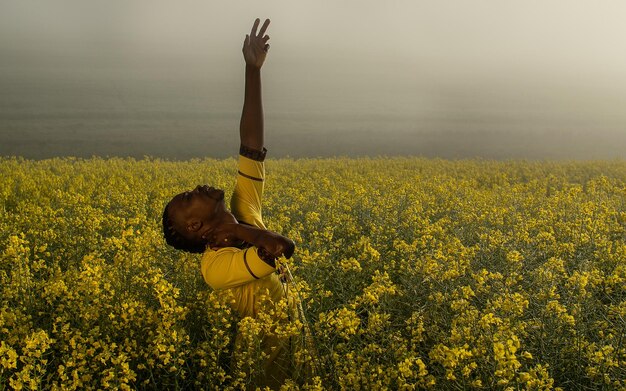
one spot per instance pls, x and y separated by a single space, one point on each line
200 214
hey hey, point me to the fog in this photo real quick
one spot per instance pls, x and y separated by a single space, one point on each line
492 78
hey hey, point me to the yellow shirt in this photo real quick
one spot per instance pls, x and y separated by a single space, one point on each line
242 271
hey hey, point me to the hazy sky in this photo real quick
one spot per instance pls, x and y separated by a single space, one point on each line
553 61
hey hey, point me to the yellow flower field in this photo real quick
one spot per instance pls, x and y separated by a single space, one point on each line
414 274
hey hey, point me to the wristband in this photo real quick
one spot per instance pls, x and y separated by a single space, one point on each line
253 154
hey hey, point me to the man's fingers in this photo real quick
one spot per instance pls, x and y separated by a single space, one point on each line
266 38
254 27
266 48
264 27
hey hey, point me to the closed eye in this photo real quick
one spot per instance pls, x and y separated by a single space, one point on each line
194 226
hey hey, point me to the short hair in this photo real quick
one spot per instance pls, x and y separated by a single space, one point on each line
175 239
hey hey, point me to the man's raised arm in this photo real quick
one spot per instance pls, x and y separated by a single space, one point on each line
254 50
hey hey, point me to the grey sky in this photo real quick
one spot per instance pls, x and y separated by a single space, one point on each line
508 60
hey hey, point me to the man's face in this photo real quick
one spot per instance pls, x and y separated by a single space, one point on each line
197 212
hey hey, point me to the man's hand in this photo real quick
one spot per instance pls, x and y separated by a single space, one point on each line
224 236
255 45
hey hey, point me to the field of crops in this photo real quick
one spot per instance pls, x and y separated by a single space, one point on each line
414 274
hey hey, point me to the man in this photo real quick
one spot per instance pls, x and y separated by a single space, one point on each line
239 253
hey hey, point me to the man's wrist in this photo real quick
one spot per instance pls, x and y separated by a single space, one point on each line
241 233
252 68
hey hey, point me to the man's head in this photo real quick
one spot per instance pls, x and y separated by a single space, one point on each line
191 216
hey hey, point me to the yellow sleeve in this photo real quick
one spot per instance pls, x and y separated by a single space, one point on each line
246 201
229 267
